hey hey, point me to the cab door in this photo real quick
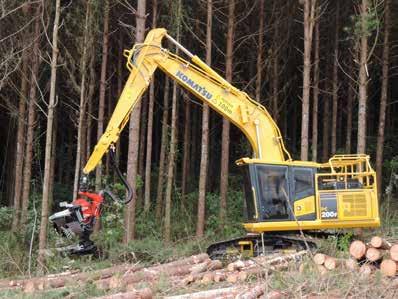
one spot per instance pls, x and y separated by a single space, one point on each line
302 180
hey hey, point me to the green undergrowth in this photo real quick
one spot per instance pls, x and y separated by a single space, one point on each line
147 248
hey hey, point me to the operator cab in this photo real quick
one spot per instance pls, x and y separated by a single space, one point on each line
277 188
338 194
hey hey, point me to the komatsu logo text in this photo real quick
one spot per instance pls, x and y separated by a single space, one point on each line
200 89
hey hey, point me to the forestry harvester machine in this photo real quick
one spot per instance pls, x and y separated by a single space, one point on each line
283 197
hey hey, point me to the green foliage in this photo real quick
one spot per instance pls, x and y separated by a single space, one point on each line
344 241
355 30
6 214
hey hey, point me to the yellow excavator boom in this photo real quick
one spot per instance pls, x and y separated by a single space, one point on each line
195 76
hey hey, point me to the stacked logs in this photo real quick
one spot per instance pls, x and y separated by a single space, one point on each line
130 279
242 270
364 257
326 263
377 253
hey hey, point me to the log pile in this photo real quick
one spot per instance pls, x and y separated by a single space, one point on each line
242 270
136 281
365 257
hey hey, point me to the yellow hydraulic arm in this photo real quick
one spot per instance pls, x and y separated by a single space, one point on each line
202 81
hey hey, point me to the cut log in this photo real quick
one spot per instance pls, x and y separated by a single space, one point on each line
322 270
63 279
331 263
373 254
148 274
192 277
233 277
275 295
379 242
230 292
252 293
145 293
214 265
351 264
280 259
220 276
319 258
389 267
357 249
199 268
208 277
236 266
394 252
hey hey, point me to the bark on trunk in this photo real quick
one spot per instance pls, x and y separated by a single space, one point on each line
83 101
204 156
383 97
186 150
163 147
141 153
90 94
27 170
350 97
101 102
19 155
148 162
275 71
260 54
335 81
134 131
49 145
226 124
315 95
171 165
309 12
173 144
326 127
363 80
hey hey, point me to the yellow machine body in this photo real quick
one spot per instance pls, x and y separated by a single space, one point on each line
281 194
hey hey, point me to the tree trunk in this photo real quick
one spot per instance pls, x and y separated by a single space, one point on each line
309 11
275 75
148 162
326 121
141 153
260 53
134 132
83 101
163 146
363 80
27 171
90 94
119 86
383 97
335 81
49 145
350 99
20 143
173 145
226 123
101 102
186 150
315 95
204 156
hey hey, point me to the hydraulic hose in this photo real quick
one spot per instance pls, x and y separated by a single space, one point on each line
130 191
